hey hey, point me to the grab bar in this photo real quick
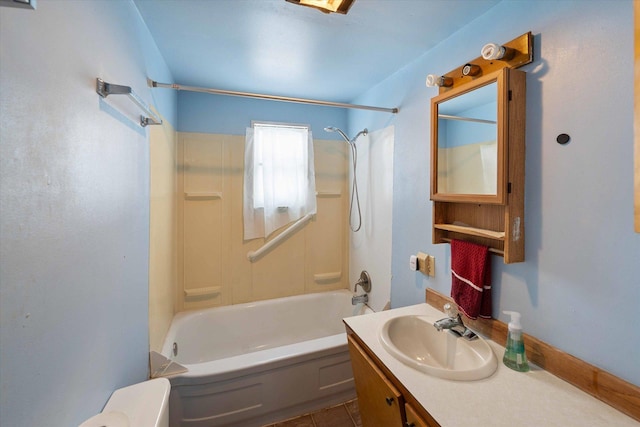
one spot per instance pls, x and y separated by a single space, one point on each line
327 194
105 89
254 255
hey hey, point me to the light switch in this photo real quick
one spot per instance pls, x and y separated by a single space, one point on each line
431 266
426 264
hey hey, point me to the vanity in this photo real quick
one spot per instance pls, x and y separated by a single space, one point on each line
392 393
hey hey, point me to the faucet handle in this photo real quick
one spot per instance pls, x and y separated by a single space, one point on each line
450 310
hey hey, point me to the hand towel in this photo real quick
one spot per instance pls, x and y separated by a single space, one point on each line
471 278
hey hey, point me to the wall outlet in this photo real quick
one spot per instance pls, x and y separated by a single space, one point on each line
426 264
413 263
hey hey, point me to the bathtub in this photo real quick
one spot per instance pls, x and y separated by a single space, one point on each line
256 363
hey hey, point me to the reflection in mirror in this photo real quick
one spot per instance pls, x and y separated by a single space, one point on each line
467 143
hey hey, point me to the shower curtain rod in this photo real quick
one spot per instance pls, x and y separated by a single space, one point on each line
466 119
153 83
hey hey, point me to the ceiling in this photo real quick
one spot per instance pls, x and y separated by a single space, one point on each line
279 48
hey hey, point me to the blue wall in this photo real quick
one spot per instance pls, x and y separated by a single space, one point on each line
74 208
579 288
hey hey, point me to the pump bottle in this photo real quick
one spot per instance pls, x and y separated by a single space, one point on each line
514 356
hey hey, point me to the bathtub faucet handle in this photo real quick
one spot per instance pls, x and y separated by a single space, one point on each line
364 282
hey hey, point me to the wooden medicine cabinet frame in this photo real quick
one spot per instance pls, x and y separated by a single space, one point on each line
497 77
493 220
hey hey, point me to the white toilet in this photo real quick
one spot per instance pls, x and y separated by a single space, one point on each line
145 404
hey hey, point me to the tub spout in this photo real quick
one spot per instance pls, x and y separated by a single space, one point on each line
360 299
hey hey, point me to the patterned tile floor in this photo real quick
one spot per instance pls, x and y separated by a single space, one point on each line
344 415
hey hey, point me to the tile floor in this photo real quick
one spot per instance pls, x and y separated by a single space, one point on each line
343 415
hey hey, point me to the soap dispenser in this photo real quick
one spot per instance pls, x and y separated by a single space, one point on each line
514 356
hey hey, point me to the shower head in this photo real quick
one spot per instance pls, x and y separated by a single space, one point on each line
346 138
335 129
354 188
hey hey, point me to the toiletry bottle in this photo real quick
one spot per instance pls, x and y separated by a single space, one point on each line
514 356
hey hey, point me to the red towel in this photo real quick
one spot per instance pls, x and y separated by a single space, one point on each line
471 278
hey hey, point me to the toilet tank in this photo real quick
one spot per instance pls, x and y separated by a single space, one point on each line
146 404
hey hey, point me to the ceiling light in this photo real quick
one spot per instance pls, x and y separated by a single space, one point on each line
326 6
439 81
495 51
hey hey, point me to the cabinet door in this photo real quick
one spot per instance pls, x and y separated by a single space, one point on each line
413 419
379 401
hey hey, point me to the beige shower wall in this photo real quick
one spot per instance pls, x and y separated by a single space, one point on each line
213 268
163 266
459 168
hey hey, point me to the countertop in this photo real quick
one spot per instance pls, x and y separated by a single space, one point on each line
506 398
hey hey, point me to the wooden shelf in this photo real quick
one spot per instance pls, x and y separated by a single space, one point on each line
472 231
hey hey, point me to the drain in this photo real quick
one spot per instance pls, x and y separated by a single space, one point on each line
175 349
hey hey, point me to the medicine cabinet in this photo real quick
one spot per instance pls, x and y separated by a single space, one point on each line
477 163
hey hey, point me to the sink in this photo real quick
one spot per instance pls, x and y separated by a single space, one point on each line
414 341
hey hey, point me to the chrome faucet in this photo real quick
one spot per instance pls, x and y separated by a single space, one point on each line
360 299
453 322
365 284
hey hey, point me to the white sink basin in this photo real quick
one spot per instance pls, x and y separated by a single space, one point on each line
414 341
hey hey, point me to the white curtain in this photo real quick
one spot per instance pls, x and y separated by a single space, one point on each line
279 178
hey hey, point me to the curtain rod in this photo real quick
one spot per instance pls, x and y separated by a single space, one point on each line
153 83
466 119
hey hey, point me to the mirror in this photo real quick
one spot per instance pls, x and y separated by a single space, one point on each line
467 152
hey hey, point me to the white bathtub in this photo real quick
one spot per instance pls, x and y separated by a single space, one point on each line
251 364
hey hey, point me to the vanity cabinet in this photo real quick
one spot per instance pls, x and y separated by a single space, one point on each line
413 419
381 399
478 162
380 403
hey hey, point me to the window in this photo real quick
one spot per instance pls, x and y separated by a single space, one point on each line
279 177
